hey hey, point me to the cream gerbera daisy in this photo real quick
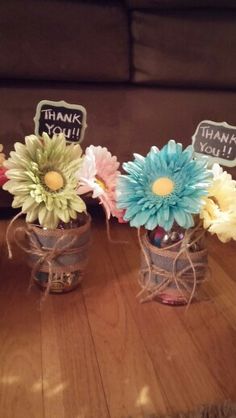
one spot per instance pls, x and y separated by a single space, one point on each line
219 211
2 156
43 181
98 174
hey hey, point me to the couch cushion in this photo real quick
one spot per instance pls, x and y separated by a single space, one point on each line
63 40
185 48
180 4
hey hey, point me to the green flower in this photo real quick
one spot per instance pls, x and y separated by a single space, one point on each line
43 181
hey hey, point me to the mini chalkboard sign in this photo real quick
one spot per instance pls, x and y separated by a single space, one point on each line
217 140
61 117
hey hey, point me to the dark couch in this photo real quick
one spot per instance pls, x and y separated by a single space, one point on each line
146 70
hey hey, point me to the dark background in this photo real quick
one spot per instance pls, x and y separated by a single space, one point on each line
146 71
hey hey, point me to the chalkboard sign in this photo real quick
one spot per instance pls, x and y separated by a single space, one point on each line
61 117
217 140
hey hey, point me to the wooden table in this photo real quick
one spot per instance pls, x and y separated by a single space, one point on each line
96 352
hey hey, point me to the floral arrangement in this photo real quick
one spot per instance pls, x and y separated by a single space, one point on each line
169 187
174 197
168 192
47 178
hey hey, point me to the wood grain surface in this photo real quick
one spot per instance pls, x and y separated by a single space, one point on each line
97 352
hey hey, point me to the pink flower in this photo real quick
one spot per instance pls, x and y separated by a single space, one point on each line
99 174
3 177
121 216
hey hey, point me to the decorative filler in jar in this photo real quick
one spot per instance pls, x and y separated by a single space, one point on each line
175 198
47 177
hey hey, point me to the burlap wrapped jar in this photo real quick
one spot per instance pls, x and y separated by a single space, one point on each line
173 275
58 257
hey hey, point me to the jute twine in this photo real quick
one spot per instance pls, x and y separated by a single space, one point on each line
185 279
44 259
108 231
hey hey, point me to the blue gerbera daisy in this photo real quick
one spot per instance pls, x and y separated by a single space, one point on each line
163 187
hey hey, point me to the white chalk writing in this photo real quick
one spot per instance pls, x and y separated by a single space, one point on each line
216 140
50 114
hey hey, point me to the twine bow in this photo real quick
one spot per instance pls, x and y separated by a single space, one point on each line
191 274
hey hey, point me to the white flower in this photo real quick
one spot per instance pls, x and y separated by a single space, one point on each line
219 211
98 174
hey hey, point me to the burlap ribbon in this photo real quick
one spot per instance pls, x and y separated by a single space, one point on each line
193 274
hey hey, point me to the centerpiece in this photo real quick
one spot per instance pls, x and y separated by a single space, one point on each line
176 198
48 178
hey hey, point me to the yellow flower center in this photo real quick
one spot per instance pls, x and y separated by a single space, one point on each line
163 186
54 180
101 183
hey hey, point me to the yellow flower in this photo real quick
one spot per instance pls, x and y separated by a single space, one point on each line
225 226
2 156
219 211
